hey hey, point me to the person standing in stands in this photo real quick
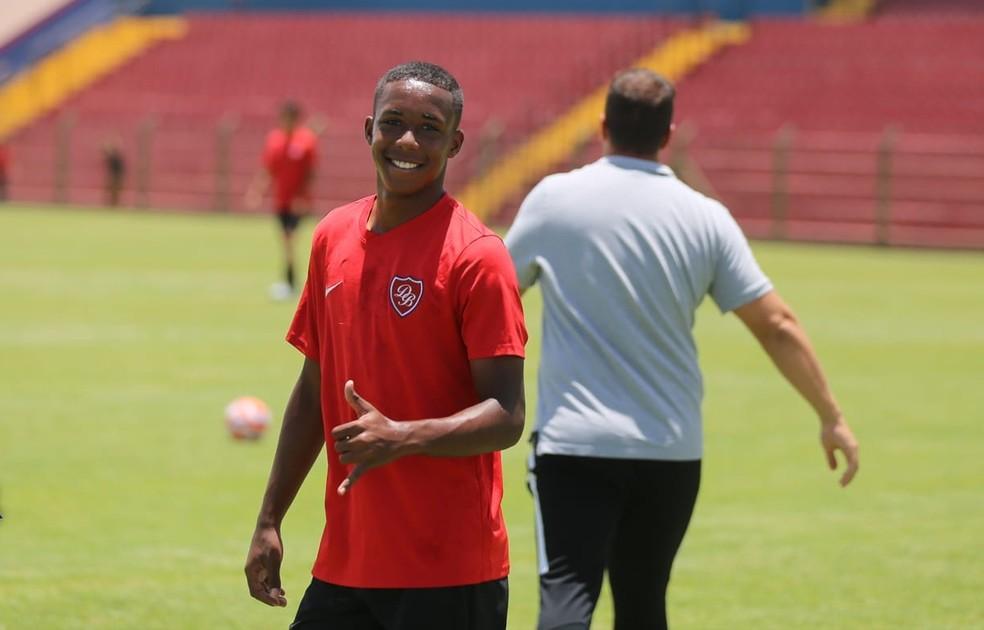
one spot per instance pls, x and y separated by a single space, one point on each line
4 171
625 253
114 172
412 330
289 160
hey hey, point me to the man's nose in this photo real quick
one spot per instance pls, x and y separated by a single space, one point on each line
407 139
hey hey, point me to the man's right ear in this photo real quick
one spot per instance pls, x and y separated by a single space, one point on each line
367 130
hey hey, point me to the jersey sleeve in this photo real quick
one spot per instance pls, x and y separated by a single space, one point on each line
303 332
487 297
738 279
522 239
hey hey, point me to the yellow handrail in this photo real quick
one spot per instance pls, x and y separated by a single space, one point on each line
846 10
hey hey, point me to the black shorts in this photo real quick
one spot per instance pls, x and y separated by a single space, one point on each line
472 607
288 220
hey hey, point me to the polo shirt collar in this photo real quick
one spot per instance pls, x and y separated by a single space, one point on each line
638 164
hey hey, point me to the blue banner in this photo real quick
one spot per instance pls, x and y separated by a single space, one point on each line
727 9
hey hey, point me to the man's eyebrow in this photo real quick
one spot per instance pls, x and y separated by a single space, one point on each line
392 111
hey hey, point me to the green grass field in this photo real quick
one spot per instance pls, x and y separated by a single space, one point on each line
125 505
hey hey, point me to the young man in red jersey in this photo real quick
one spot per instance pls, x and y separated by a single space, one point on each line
412 330
289 158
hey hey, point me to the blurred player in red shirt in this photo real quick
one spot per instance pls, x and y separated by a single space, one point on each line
289 159
412 330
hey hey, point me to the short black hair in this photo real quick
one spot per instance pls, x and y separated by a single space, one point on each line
290 108
639 111
428 73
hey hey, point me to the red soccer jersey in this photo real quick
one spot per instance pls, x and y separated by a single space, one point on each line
401 314
290 160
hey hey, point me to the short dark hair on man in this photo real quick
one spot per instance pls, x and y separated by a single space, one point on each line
638 111
428 73
290 108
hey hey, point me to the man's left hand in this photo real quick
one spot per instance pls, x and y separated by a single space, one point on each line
370 440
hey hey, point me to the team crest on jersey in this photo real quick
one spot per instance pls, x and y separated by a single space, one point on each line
405 294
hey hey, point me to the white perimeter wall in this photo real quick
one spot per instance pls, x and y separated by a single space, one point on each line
16 16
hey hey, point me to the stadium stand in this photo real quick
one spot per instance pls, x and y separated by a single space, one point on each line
498 192
864 130
31 30
20 19
880 117
517 73
50 82
928 7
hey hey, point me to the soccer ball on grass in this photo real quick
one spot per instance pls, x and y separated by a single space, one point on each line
247 418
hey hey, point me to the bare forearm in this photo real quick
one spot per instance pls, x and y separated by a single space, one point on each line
296 453
789 348
774 325
494 424
481 428
301 439
260 185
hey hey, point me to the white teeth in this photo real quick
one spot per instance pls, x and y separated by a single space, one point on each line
404 165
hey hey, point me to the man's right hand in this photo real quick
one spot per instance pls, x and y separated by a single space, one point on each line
266 551
253 199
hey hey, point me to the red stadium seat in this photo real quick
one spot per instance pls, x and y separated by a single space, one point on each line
520 69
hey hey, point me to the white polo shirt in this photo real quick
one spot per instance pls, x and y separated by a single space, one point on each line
624 253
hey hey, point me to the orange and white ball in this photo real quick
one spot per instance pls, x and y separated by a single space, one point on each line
247 418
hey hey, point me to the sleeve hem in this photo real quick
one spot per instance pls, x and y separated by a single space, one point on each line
502 350
751 295
302 345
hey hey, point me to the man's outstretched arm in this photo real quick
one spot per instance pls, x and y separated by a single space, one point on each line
777 329
301 438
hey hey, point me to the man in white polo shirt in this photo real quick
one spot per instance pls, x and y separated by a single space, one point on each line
624 253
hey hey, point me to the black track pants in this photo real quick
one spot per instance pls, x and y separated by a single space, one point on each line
624 516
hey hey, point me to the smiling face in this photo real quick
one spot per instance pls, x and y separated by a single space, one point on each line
412 133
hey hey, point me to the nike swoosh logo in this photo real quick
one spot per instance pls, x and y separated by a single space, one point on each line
332 288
